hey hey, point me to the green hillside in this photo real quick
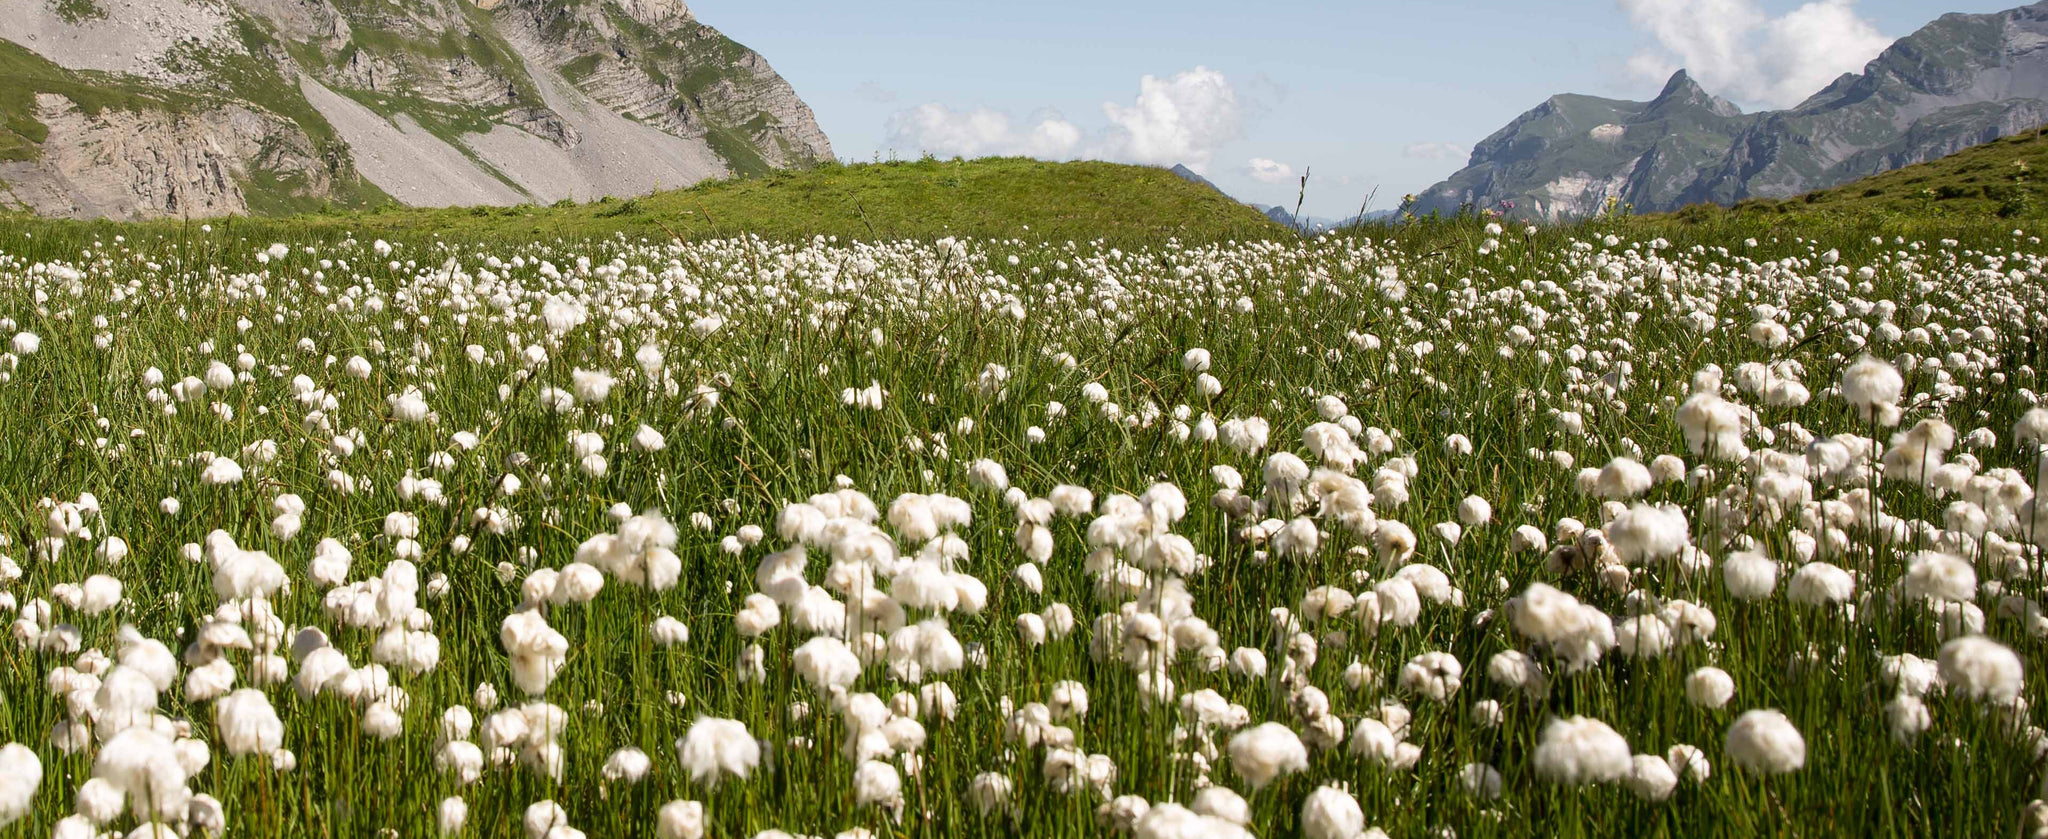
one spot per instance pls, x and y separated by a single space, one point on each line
991 197
2003 179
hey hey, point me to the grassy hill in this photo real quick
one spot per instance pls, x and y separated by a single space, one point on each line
991 197
2003 179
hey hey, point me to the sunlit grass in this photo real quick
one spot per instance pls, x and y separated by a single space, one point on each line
1412 333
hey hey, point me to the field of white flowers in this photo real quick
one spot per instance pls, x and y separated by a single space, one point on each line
1561 533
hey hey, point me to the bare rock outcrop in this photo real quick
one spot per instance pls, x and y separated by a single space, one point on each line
145 164
193 108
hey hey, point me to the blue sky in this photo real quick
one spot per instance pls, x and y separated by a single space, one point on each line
1365 93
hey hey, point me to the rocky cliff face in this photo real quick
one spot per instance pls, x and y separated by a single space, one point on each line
153 108
107 164
648 60
1959 81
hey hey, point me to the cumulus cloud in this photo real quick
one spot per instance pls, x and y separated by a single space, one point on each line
982 132
1184 118
1269 171
1181 119
1435 151
1739 51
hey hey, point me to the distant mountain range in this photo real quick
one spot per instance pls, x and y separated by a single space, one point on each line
1959 81
1279 214
1312 224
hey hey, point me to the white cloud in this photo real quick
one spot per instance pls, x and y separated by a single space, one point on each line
1436 151
1737 50
1269 171
981 132
1184 118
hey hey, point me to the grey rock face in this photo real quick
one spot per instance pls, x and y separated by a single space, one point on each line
143 164
1959 81
660 67
211 107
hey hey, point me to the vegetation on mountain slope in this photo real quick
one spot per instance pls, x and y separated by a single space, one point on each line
2000 179
994 197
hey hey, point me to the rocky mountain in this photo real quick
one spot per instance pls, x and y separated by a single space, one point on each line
1957 82
191 108
1182 170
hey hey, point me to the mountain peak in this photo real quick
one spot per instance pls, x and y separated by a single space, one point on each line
1681 89
1680 83
1184 172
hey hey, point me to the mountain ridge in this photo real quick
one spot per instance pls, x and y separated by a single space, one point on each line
1961 80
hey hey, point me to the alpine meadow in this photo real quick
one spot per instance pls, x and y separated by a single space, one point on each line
996 497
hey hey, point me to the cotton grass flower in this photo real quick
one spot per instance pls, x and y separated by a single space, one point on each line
451 815
1749 575
1872 388
1907 717
990 792
1173 821
1265 752
221 471
1643 637
543 818
715 748
666 631
247 723
537 651
591 386
1820 584
878 784
1245 436
1648 533
21 772
1709 687
1937 576
1331 813
825 663
680 820
1650 778
1222 803
1581 750
1979 668
1765 741
1480 781
100 802
1576 632
1435 675
1622 479
1474 511
1713 427
628 766
143 764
